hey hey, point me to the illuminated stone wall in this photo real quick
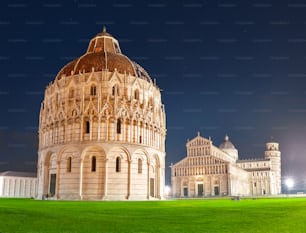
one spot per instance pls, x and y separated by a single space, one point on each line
102 129
211 171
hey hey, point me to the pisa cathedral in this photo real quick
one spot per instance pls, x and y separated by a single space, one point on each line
102 129
209 170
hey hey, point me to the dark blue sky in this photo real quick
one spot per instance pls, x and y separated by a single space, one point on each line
225 67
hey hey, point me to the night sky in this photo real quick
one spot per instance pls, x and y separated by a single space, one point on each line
224 67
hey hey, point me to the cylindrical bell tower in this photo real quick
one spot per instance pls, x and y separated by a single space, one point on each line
272 152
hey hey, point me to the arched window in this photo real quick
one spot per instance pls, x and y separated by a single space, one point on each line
150 101
119 126
139 166
117 49
74 113
118 164
93 90
71 92
136 94
69 164
93 164
87 127
115 90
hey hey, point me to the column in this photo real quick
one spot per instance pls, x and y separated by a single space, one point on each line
99 128
137 132
158 184
81 129
105 178
81 180
57 180
148 181
126 131
129 180
107 129
131 126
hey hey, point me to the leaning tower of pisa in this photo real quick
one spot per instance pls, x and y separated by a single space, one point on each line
272 152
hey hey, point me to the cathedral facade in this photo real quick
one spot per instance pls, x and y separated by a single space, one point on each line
209 170
102 129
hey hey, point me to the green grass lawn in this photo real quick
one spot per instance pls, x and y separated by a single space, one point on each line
223 215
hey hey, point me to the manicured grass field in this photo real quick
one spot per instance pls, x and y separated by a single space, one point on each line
224 215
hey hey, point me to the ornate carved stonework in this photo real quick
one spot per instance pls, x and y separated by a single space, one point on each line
102 102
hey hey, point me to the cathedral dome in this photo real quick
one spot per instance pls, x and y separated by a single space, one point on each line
104 53
228 147
227 144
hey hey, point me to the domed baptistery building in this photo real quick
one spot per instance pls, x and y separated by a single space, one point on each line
102 129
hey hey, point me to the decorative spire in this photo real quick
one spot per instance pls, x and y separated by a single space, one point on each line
226 137
198 133
104 29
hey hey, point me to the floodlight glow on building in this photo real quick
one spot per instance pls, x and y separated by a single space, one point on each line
167 190
289 183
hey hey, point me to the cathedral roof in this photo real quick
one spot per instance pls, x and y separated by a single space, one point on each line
227 144
104 53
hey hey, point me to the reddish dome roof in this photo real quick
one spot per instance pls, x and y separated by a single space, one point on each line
104 53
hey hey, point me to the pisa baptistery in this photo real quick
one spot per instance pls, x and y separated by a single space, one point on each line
102 129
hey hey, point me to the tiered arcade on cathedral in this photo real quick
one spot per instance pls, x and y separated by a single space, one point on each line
217 171
102 129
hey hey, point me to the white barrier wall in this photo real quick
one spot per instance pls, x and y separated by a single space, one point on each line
17 186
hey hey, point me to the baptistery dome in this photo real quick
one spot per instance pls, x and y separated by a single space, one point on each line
102 129
104 53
